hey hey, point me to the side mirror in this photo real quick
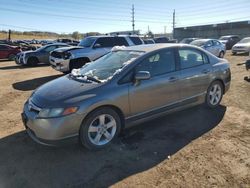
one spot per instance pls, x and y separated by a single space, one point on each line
141 75
97 45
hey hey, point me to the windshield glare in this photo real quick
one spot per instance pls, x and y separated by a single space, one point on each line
87 42
198 42
107 66
245 40
224 38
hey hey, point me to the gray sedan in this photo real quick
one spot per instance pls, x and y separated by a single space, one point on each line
41 55
212 45
126 86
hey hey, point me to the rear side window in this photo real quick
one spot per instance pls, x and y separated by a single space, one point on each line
105 42
136 40
190 58
120 41
160 63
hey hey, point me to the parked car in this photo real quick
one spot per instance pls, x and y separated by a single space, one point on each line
24 46
41 55
148 41
124 87
243 46
68 41
89 49
188 40
164 40
229 41
8 52
212 45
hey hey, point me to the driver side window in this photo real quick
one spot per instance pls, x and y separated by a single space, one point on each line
160 63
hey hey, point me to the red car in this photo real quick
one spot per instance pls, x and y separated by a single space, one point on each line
8 52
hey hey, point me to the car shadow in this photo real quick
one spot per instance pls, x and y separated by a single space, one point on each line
32 84
27 164
12 67
4 60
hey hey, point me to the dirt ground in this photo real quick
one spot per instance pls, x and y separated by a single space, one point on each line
197 147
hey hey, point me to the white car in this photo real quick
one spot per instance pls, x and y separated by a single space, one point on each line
243 46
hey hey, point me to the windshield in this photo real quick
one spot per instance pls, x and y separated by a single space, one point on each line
198 42
107 66
245 40
87 42
224 38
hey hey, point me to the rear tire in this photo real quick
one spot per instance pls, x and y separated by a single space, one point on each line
32 61
214 94
12 57
100 128
234 53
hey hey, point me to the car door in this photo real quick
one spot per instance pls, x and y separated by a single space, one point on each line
4 51
217 47
102 46
195 72
44 55
162 89
209 46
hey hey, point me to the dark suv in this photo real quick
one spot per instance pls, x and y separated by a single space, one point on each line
229 41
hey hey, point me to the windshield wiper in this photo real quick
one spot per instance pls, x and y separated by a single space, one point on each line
92 79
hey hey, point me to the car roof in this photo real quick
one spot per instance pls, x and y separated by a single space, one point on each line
153 47
57 44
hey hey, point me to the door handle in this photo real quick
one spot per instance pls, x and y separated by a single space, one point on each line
205 71
173 79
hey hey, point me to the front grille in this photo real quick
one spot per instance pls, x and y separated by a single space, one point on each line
56 54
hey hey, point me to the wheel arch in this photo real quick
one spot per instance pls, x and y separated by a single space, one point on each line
113 107
222 83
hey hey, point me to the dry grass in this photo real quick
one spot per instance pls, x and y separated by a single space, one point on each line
25 37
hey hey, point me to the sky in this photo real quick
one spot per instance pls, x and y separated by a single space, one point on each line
104 16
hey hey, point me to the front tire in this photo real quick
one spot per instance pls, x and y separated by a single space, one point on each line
100 128
214 94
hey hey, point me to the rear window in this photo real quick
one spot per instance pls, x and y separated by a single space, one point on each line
136 40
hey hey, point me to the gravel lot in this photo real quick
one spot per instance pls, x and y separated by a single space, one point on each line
197 147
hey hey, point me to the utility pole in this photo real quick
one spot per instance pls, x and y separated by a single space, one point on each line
165 28
173 23
9 37
133 18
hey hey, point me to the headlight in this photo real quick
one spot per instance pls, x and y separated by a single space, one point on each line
66 55
56 112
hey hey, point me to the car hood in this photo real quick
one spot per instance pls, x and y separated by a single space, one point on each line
66 49
62 92
242 44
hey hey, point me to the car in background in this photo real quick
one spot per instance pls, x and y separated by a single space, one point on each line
164 40
127 86
148 41
242 46
212 45
229 41
41 55
24 46
8 52
68 41
89 49
188 40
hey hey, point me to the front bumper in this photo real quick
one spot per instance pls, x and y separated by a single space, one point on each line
51 131
61 65
242 50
